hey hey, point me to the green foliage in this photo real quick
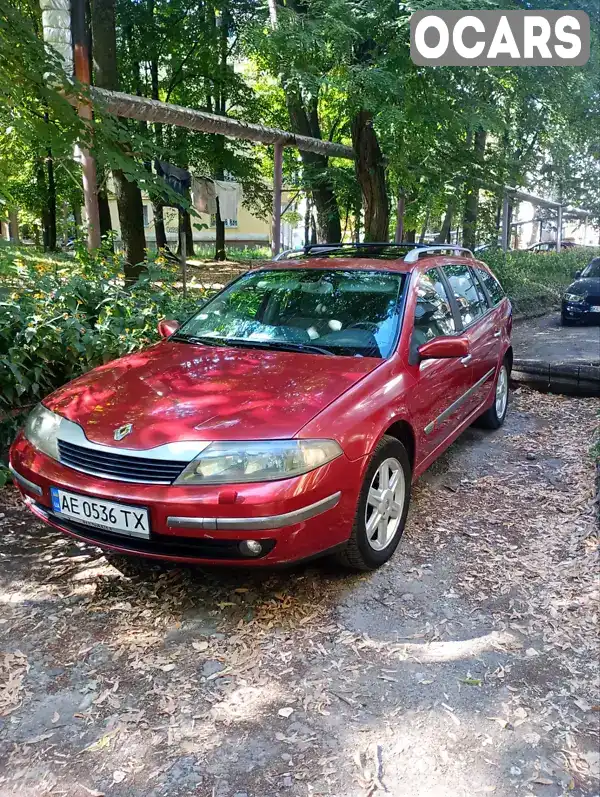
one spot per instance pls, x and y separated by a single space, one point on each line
61 316
535 282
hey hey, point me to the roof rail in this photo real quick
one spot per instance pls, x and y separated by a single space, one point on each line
326 247
416 253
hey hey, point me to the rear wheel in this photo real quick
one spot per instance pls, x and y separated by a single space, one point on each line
382 508
493 418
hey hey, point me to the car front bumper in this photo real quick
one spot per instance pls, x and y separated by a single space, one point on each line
579 311
293 519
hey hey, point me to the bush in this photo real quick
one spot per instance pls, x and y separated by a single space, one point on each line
536 282
61 316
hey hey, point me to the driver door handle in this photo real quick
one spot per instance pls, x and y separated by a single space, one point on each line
466 360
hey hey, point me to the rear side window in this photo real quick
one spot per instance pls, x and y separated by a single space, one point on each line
433 314
469 296
492 285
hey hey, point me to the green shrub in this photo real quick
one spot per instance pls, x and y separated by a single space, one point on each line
61 316
536 281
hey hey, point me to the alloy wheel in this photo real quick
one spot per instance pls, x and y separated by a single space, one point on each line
501 392
385 502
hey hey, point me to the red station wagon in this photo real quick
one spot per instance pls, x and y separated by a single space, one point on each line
287 419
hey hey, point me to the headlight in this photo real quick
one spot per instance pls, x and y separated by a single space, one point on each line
575 297
41 428
258 461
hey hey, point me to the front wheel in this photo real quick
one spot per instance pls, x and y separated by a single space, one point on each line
382 508
566 322
493 418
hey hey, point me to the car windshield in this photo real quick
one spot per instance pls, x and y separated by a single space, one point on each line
592 269
325 311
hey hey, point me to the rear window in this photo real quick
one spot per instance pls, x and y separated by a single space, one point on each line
492 285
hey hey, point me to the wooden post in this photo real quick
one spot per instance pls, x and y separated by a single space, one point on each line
559 229
277 185
505 228
88 163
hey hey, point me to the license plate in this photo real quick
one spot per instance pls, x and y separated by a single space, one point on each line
595 309
120 518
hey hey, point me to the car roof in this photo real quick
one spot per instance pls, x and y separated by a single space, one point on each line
373 263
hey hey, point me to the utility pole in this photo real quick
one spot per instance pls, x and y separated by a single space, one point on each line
88 163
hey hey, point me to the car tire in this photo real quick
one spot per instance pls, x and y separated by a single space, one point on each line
566 322
494 417
135 567
369 547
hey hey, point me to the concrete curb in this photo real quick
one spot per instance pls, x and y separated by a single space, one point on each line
571 378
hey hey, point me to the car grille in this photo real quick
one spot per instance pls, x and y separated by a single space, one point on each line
594 301
119 466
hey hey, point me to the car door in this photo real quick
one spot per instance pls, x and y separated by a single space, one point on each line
440 383
478 324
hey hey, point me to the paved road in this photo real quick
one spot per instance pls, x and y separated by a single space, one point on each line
546 340
464 667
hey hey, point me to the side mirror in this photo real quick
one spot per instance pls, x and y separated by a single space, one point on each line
167 328
578 274
444 348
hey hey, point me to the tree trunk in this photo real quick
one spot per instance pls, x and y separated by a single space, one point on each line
185 225
51 202
129 196
157 205
444 236
399 235
220 253
307 216
471 209
425 225
77 217
306 122
13 220
42 192
159 225
131 218
370 172
410 236
104 208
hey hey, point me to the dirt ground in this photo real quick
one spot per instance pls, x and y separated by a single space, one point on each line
468 665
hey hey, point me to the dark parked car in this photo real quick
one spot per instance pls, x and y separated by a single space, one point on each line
581 301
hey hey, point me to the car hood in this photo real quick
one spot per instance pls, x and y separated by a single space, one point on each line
586 284
178 391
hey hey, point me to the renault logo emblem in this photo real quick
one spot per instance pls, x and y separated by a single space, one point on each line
123 431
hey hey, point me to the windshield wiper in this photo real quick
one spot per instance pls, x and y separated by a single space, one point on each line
281 345
207 341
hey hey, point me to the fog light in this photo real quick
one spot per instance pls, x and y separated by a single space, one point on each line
250 548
